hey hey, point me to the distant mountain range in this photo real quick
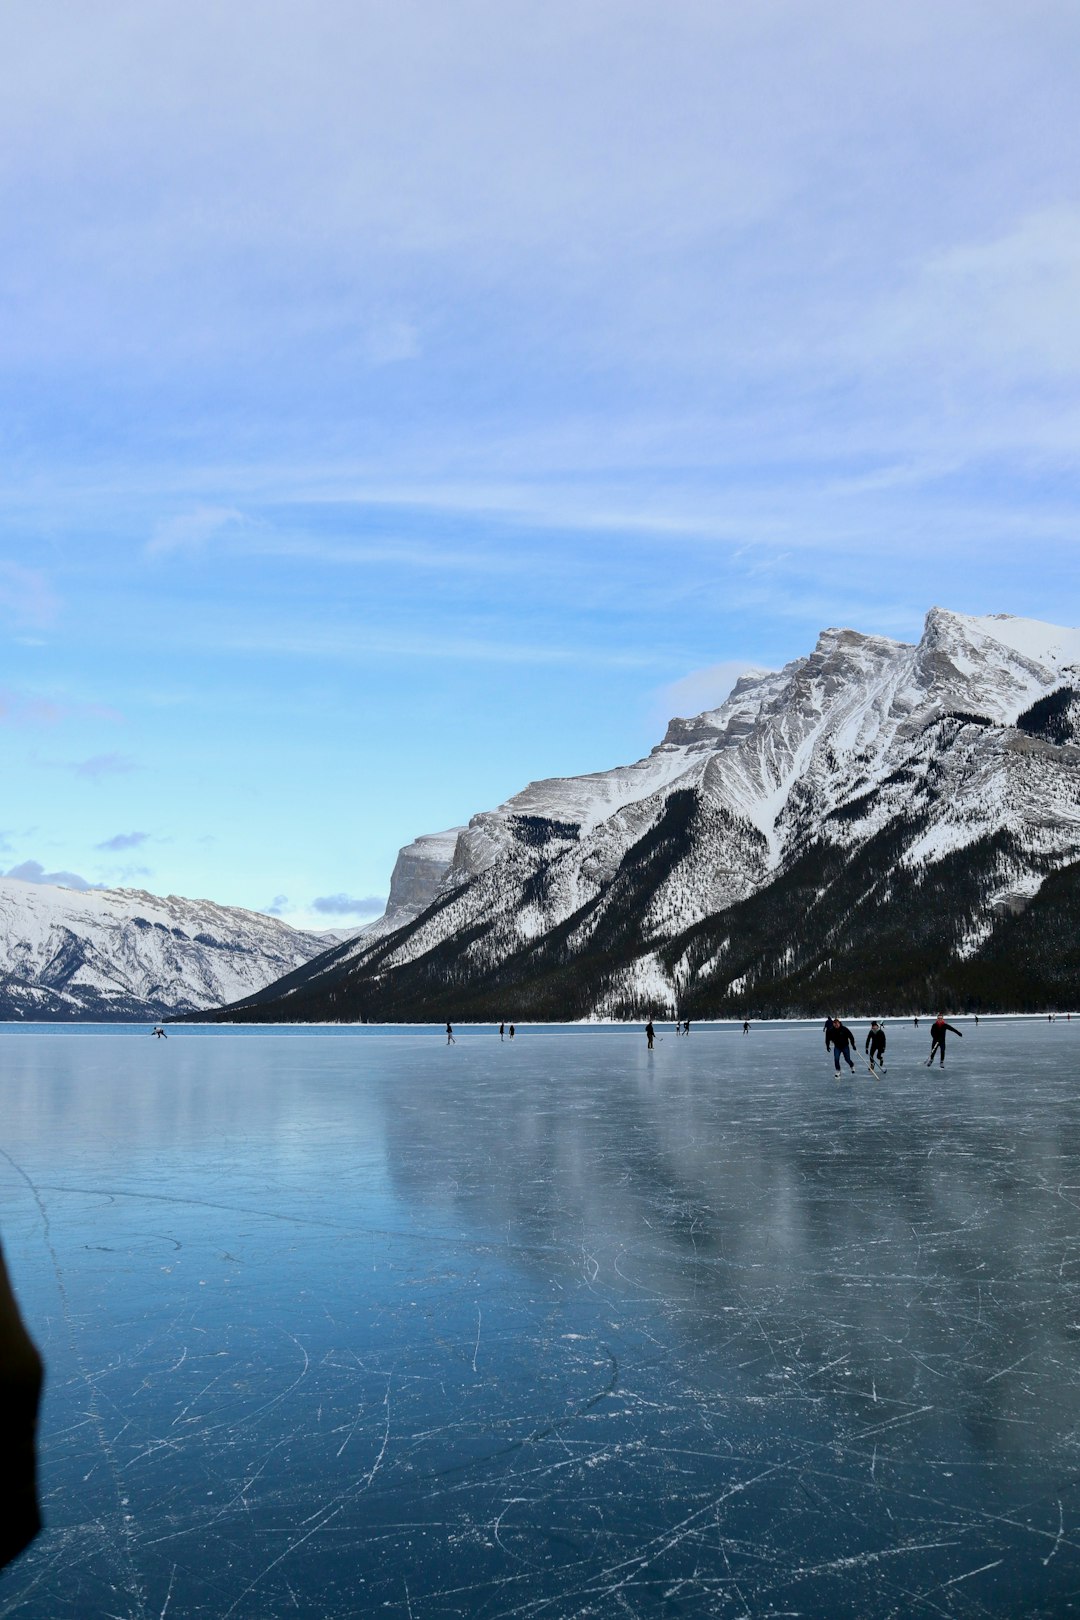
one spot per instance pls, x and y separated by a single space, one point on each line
877 826
122 954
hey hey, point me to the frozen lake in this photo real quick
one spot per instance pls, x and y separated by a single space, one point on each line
345 1322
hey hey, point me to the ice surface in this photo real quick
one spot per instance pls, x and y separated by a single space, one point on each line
352 1323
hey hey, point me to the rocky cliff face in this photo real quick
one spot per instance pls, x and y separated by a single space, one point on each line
122 954
763 851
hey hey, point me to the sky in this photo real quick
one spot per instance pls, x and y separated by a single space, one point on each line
402 401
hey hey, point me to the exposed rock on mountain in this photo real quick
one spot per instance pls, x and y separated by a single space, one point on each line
123 954
877 824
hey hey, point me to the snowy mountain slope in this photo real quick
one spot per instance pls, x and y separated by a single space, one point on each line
121 953
580 890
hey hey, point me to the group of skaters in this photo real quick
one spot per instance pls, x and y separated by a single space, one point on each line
840 1040
682 1027
503 1032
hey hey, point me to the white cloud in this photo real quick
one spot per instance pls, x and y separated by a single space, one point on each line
103 765
27 596
390 342
34 872
120 841
1005 306
344 905
191 531
702 689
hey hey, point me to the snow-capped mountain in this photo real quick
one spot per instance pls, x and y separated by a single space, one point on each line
123 954
876 818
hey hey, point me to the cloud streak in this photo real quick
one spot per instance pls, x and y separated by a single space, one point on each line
27 597
98 765
344 905
34 872
118 841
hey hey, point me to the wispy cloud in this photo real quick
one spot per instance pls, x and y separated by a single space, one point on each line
118 841
278 906
103 765
359 646
344 905
34 872
701 689
192 531
27 597
121 876
31 709
389 342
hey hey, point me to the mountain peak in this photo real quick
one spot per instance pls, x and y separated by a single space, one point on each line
773 851
1051 646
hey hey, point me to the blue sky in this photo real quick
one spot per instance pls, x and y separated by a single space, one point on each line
400 402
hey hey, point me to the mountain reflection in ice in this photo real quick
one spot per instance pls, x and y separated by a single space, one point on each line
338 1322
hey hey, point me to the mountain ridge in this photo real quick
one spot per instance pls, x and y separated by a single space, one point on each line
124 954
933 782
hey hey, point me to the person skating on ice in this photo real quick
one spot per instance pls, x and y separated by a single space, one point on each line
650 1034
938 1030
875 1045
450 1041
841 1040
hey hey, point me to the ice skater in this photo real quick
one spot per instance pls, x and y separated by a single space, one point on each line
746 1026
159 1032
841 1040
650 1034
511 1031
450 1041
502 1032
938 1030
875 1045
686 1026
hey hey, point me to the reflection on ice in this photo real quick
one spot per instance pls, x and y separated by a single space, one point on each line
346 1322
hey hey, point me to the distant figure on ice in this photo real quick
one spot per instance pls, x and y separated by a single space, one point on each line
875 1044
511 1031
450 1041
502 1032
840 1038
976 1020
686 1026
745 1026
159 1032
938 1030
916 1020
650 1033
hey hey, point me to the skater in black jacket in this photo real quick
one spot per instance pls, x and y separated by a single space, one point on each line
938 1030
875 1045
841 1040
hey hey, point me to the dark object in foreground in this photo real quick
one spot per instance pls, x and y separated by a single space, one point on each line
21 1375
